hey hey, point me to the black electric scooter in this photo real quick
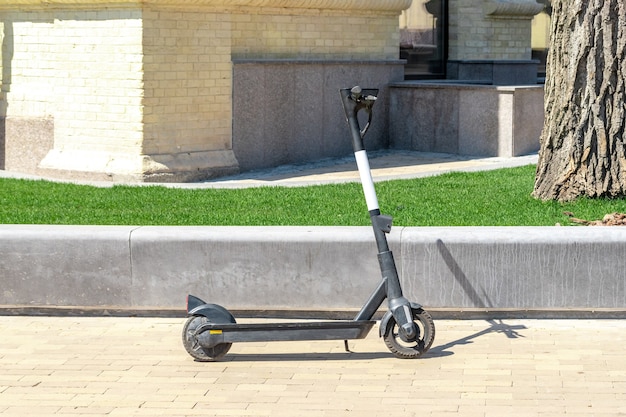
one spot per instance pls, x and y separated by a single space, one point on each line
407 329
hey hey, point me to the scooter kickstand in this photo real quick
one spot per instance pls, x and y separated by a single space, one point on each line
346 347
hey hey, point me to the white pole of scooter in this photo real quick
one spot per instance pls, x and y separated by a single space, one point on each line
365 173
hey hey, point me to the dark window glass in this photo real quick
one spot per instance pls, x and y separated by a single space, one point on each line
423 29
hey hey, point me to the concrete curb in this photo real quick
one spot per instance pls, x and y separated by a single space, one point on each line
511 271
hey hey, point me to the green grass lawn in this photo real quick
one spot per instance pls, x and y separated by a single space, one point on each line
487 198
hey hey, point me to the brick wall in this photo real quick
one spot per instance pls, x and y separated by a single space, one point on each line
486 29
26 58
317 35
83 69
188 82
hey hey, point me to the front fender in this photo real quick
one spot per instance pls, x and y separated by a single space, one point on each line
384 322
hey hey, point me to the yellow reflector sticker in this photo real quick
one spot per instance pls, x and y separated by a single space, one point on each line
215 332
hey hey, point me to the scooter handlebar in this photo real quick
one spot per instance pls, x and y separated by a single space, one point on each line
367 96
354 100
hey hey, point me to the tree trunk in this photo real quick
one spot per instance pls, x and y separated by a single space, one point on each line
583 150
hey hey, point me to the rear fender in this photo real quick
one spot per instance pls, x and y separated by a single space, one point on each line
214 312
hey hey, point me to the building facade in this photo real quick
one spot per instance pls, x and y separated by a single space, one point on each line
184 90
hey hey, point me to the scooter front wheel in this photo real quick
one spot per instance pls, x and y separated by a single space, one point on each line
192 346
416 348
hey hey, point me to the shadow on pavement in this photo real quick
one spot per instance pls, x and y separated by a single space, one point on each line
297 357
496 326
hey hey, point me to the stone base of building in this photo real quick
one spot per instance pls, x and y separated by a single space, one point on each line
496 72
2 142
289 111
24 141
466 119
98 166
27 146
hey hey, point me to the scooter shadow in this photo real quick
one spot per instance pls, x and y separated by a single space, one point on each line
496 326
300 357
440 351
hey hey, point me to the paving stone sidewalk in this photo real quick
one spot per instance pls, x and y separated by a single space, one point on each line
111 366
385 165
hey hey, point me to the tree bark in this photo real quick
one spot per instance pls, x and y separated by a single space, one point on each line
583 150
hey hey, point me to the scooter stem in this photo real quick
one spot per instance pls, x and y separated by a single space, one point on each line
355 100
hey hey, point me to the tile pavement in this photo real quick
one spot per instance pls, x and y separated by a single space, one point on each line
106 366
112 366
385 165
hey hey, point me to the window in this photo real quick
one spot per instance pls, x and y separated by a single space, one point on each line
423 34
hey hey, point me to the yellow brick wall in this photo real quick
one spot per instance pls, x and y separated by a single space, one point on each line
187 64
475 34
84 69
1 53
315 35
28 63
98 91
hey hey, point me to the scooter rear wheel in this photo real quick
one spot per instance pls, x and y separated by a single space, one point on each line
192 346
416 348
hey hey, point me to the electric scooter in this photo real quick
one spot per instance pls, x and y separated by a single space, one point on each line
406 328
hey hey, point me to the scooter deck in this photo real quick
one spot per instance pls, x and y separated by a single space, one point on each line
210 334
